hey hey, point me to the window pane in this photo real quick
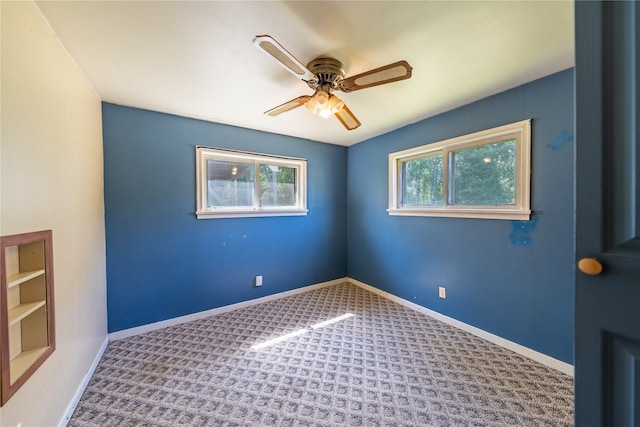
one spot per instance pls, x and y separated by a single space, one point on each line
422 181
483 175
230 183
277 185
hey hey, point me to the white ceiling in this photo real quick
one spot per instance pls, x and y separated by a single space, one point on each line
196 59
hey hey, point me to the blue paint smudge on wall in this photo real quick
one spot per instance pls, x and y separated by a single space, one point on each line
521 231
562 139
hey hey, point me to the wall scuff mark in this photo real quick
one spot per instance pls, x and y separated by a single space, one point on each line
562 139
521 231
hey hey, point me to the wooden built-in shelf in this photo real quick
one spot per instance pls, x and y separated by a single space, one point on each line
27 321
24 361
19 278
19 312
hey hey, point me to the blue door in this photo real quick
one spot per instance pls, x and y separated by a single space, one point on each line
607 363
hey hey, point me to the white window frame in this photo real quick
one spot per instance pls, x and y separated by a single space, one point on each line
204 212
520 210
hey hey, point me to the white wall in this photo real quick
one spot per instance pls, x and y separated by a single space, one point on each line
51 178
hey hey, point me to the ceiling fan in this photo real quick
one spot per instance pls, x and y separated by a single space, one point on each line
325 75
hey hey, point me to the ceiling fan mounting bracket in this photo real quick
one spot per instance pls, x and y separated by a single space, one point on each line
328 72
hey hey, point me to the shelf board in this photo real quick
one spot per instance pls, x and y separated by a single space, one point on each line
23 361
21 311
19 278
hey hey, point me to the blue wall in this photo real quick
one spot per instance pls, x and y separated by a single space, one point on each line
513 279
162 262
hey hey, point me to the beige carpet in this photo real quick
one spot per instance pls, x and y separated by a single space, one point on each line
377 364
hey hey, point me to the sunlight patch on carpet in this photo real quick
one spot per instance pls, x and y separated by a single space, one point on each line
299 332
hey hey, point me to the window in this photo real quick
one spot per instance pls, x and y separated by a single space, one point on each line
237 184
481 175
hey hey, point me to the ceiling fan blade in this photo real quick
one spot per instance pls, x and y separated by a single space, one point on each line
289 105
347 118
400 70
272 48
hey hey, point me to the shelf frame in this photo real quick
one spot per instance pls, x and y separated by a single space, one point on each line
35 285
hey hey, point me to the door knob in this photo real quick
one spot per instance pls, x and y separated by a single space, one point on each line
590 266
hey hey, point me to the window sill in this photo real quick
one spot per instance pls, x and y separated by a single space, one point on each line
509 214
250 213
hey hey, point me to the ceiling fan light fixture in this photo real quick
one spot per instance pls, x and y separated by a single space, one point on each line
324 104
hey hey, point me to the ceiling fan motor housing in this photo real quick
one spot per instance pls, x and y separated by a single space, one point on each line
328 72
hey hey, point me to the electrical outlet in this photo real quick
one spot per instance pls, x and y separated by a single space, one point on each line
258 281
442 292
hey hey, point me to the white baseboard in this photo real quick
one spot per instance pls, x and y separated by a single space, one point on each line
510 345
556 364
83 385
207 313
